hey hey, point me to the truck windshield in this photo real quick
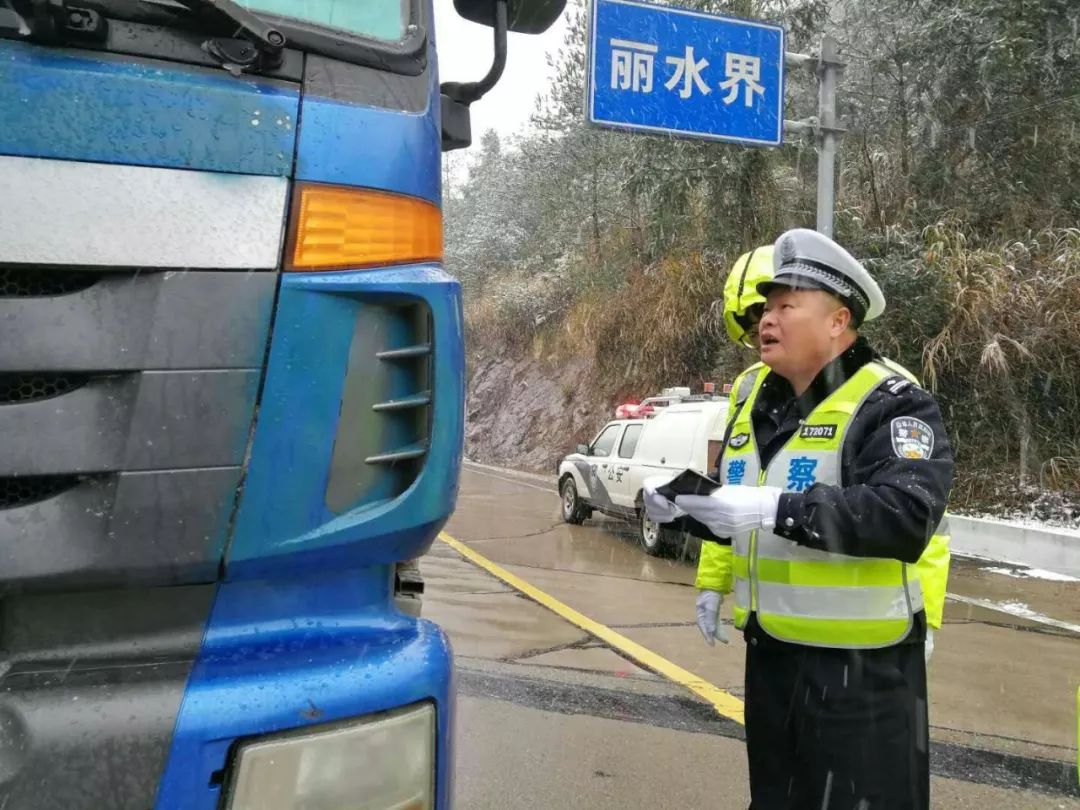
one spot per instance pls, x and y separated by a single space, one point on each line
372 19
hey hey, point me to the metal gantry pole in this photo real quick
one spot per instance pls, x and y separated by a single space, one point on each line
825 126
826 172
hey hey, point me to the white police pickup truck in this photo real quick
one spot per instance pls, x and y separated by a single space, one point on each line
607 474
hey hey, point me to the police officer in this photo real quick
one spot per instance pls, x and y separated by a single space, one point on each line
835 471
743 308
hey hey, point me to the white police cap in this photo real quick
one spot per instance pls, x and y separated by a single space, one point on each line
806 259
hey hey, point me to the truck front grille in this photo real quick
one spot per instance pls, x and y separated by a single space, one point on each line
126 402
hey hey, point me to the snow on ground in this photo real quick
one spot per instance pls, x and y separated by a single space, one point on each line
1032 573
1014 607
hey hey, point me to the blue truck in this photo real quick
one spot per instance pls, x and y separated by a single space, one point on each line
231 400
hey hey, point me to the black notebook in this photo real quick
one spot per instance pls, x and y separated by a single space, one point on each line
688 482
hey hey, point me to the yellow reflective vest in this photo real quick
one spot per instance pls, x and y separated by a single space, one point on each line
804 595
714 570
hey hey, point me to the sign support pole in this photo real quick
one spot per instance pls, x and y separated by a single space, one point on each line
825 127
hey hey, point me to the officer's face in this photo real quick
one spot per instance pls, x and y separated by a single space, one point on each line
799 330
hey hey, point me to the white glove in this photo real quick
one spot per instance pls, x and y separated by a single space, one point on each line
928 646
732 510
708 617
657 507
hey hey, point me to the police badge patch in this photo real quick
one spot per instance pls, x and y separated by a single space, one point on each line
912 438
739 440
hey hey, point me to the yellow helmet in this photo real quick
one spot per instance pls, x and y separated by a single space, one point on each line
740 290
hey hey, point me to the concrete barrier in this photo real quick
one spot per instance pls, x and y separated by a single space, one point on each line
1046 547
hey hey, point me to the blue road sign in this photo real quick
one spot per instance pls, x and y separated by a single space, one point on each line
674 71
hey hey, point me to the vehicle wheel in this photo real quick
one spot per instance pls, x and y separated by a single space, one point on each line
574 509
653 537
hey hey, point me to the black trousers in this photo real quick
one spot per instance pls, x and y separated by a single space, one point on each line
836 729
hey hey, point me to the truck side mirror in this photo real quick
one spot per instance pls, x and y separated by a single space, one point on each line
523 16
583 449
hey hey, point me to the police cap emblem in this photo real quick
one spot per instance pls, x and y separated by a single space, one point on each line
787 249
912 438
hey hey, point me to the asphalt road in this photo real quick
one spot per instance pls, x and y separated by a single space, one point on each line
555 710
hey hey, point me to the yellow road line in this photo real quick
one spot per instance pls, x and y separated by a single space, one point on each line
724 702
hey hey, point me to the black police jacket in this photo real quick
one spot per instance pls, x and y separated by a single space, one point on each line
887 505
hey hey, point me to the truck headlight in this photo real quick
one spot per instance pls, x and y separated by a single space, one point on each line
382 762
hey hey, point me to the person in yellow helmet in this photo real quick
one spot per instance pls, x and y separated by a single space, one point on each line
743 307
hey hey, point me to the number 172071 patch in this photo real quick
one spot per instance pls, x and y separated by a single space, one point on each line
817 432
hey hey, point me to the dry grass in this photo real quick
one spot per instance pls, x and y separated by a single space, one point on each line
1007 360
662 328
510 310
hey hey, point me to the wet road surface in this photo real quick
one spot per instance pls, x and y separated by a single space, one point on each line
550 717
